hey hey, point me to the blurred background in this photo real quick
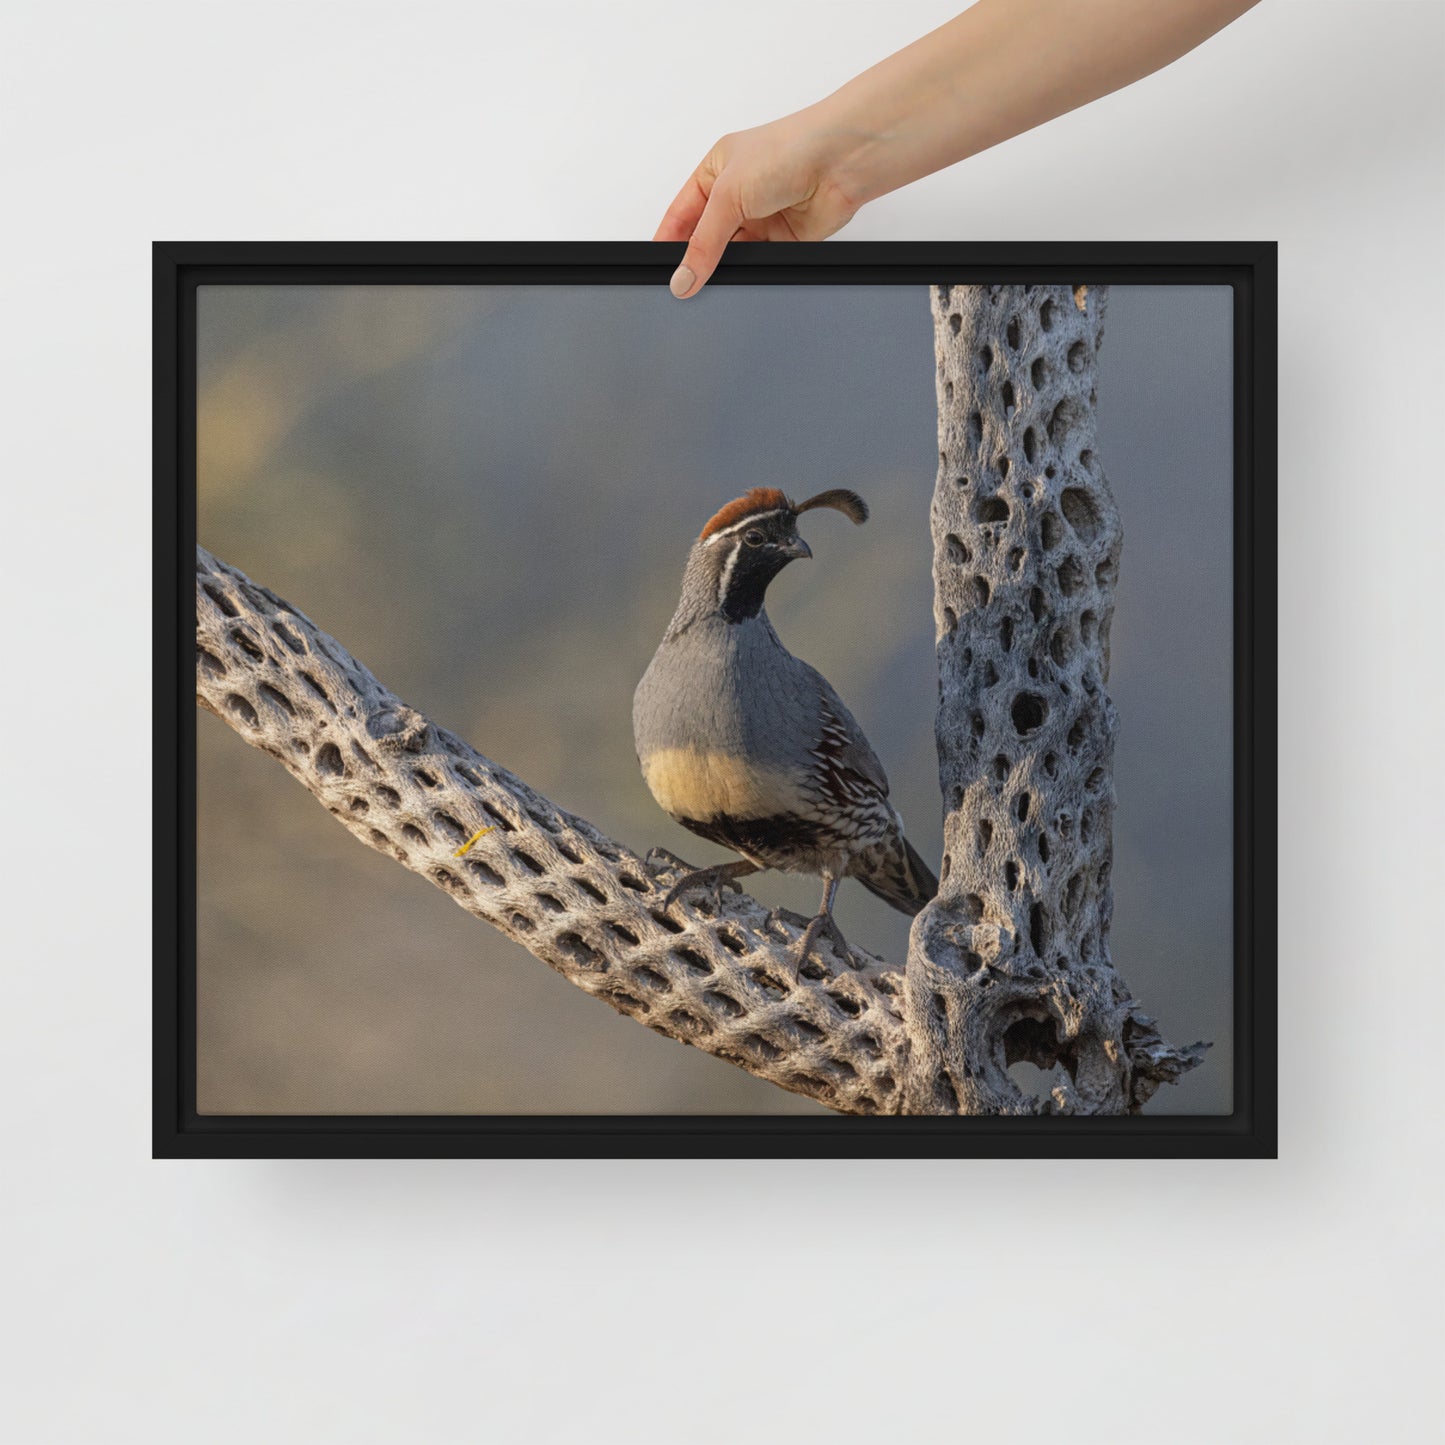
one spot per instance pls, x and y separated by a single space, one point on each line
488 495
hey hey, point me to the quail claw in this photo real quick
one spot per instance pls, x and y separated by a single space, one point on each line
818 925
713 878
663 860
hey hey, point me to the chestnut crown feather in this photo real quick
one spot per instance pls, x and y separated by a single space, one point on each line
769 499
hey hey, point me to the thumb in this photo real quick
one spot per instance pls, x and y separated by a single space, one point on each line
719 222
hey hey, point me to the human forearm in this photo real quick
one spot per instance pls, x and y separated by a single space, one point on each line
1000 68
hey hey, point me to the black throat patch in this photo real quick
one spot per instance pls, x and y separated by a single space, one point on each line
750 556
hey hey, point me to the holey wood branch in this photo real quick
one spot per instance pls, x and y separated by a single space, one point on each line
1010 962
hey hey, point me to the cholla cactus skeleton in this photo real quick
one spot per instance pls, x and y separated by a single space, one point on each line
1011 961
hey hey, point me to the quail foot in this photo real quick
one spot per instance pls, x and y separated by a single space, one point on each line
747 746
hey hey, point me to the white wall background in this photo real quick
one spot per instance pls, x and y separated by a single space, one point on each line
1289 1301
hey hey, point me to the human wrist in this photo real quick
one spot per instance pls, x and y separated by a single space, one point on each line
850 150
875 135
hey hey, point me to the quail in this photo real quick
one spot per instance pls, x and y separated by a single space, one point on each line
749 747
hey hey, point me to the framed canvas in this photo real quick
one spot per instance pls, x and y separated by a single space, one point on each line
487 549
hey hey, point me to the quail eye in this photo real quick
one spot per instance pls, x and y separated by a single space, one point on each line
753 537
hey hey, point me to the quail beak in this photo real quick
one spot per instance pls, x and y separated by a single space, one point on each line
796 547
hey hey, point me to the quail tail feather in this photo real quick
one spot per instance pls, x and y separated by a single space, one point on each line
899 876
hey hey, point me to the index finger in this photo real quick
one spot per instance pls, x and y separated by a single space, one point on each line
681 217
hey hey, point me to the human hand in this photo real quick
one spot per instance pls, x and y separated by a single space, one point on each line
975 81
776 182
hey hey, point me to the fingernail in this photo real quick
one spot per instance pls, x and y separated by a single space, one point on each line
682 280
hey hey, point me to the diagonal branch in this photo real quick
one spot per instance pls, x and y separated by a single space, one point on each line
721 980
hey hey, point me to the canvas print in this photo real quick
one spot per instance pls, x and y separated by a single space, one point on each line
808 699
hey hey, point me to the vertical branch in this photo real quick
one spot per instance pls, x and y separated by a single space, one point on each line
1011 961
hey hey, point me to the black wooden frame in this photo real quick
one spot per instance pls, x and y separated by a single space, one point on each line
1250 1131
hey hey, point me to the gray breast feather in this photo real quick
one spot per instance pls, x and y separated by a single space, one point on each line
694 694
736 689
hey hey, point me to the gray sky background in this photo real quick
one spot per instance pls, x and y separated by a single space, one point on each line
488 495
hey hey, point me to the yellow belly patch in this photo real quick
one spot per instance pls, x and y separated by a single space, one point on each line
692 783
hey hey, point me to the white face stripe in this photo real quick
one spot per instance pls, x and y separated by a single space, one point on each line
744 522
725 578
